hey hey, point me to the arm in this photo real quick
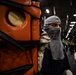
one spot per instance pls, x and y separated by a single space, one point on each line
67 70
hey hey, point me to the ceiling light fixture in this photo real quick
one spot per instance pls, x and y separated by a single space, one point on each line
47 11
67 35
73 22
71 25
74 15
54 10
66 22
69 32
68 38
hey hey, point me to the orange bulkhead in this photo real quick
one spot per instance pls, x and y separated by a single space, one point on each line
19 24
16 21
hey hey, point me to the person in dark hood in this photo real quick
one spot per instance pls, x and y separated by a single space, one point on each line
55 61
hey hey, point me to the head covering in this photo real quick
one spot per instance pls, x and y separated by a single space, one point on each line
55 46
52 19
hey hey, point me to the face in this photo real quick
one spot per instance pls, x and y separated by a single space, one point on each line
56 25
54 30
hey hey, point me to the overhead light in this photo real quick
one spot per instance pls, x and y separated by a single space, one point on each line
71 25
67 20
69 32
47 11
54 10
73 22
74 15
67 35
68 38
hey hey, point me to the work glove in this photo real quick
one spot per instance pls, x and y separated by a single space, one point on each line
74 55
44 38
67 72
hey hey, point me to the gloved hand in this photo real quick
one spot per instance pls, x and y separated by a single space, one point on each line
67 72
44 38
75 55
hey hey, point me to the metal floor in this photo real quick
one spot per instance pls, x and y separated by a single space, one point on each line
72 62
